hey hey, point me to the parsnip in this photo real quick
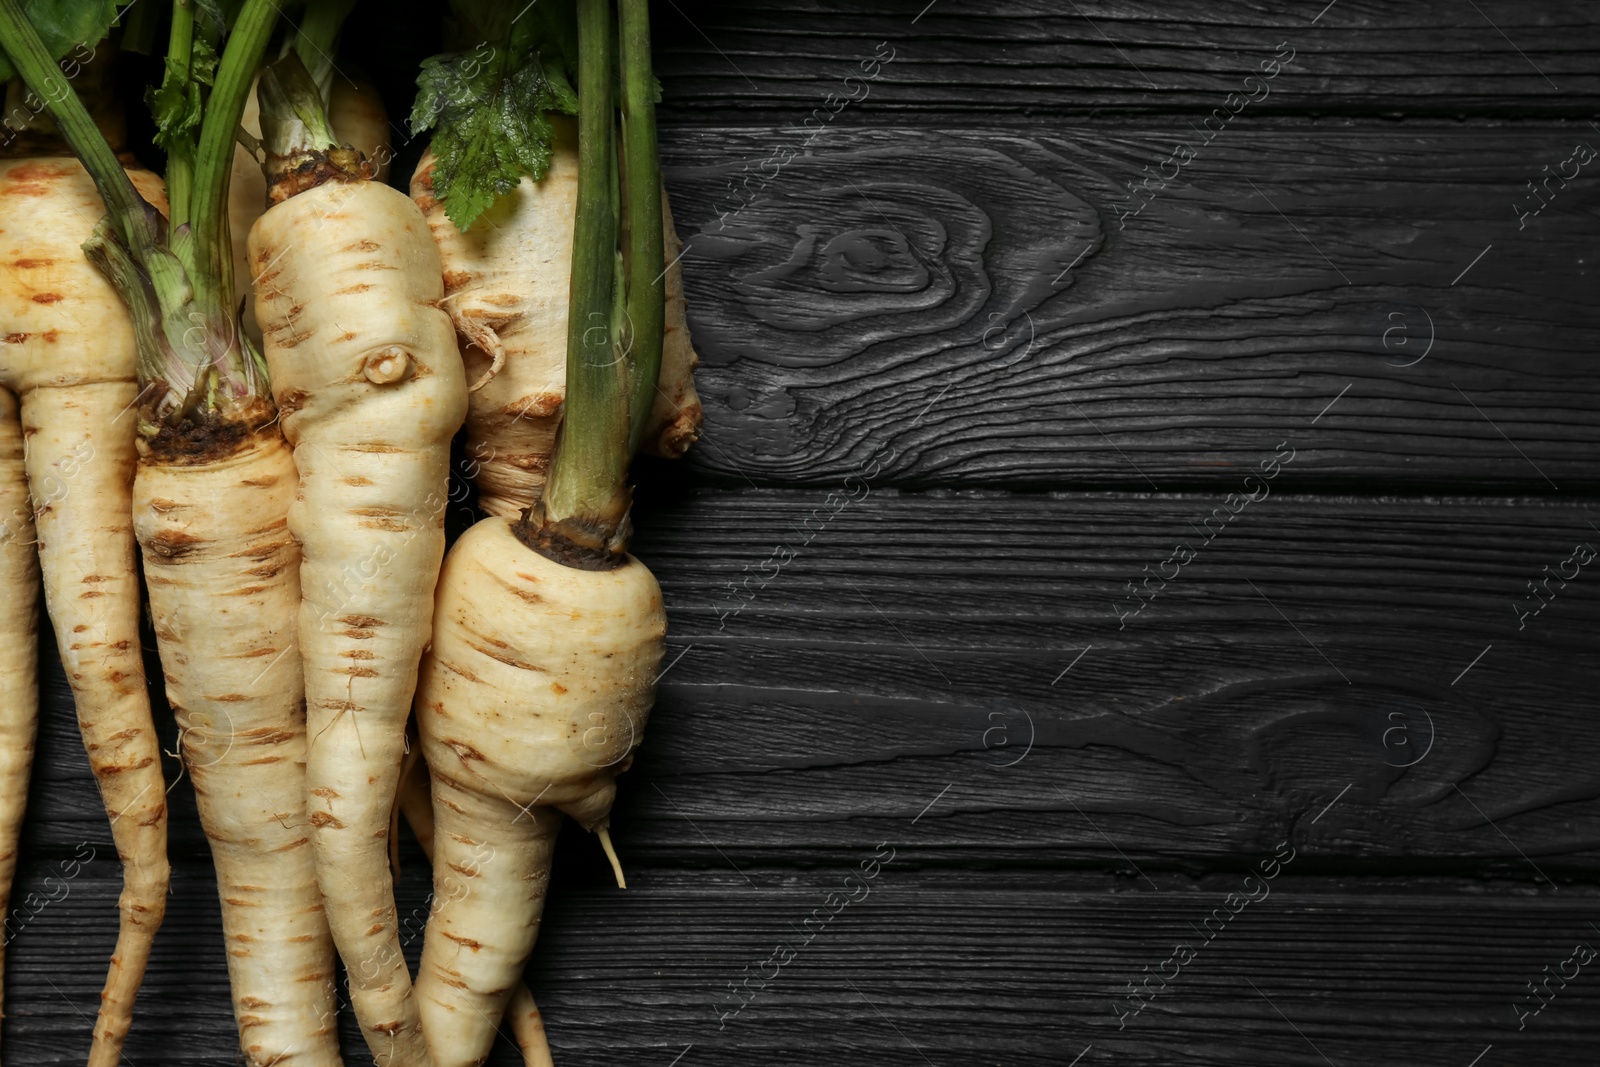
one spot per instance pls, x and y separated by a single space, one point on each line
68 356
223 575
522 1014
211 506
358 119
506 285
210 500
19 646
547 635
370 388
531 701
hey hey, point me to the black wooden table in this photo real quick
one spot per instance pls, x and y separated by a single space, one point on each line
1131 604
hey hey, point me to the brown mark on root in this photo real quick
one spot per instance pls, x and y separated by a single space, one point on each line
297 172
174 544
462 671
111 770
592 551
535 406
267 735
46 298
356 672
525 594
465 942
362 246
207 437
321 819
292 400
465 752
506 658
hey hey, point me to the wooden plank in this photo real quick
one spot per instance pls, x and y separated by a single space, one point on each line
1017 60
975 303
1311 649
967 968
914 645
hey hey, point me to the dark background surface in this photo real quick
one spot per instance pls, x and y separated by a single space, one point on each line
1055 402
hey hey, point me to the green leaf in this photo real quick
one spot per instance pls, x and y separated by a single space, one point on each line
178 106
487 108
65 24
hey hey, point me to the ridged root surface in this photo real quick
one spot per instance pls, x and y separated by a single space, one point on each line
370 388
530 703
224 585
68 356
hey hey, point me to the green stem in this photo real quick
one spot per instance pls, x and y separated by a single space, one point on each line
172 280
180 161
316 37
135 220
646 278
294 118
587 489
208 203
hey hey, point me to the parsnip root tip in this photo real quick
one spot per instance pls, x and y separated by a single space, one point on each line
611 854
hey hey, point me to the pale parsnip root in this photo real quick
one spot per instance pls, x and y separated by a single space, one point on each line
522 1014
223 577
68 354
19 651
370 387
356 113
507 281
530 703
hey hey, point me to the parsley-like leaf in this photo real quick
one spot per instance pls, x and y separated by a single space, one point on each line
487 108
178 106
65 24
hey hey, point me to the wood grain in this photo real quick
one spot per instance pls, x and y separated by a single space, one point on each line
1262 682
975 301
1022 62
1026 969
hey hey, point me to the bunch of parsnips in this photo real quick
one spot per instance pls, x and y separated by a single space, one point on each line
282 466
